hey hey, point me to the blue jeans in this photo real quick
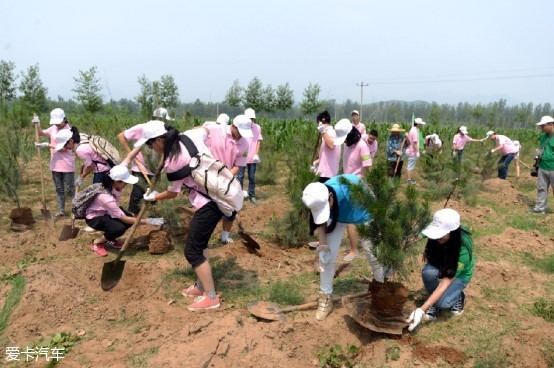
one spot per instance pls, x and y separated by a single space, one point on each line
251 179
64 182
99 177
430 276
503 165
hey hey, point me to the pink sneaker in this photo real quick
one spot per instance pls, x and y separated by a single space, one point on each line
99 250
202 303
192 291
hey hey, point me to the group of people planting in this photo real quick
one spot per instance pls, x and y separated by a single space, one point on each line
448 256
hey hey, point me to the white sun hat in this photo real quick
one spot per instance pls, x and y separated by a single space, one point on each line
62 137
444 221
151 129
489 133
316 198
354 112
57 116
419 121
250 113
162 113
244 125
222 119
121 173
342 128
545 120
463 129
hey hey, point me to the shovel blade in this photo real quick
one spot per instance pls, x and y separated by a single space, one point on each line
111 274
46 215
68 232
266 311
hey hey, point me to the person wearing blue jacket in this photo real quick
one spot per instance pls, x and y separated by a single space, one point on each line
331 209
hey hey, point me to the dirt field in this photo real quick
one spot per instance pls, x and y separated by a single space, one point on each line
144 322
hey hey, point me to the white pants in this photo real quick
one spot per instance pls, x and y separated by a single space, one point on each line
333 241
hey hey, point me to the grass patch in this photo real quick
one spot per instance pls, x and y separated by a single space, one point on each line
285 292
545 264
12 300
140 360
544 308
338 357
497 294
63 341
523 222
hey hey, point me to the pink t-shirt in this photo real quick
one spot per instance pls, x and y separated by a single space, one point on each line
183 159
460 141
63 160
105 204
329 159
413 139
356 157
507 144
373 148
226 149
133 134
253 142
90 157
361 128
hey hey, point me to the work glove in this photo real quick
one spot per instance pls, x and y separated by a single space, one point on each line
454 154
155 221
150 196
78 181
42 145
492 150
36 119
322 128
313 169
256 159
415 319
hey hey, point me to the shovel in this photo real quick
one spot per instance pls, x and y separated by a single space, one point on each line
273 312
69 231
46 215
249 242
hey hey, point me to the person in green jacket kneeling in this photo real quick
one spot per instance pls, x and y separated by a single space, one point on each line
448 269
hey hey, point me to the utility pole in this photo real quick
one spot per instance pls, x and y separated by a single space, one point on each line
362 85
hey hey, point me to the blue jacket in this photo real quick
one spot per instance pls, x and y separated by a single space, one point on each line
348 211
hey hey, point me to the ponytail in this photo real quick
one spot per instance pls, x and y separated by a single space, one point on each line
172 140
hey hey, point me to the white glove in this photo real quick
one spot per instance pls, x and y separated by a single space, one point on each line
78 181
418 154
454 154
492 150
42 145
156 221
150 196
256 159
415 319
322 128
313 169
36 119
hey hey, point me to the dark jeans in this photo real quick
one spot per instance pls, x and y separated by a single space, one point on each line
137 193
201 226
64 183
99 177
430 276
503 165
111 227
392 166
251 178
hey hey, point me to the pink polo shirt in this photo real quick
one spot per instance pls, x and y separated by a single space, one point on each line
198 136
460 141
226 149
373 148
413 139
133 134
356 157
105 204
90 157
63 160
361 128
253 142
329 159
507 145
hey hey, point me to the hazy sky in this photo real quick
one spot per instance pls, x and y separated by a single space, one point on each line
440 50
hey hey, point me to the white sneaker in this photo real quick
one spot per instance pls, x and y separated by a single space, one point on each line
324 307
245 193
89 229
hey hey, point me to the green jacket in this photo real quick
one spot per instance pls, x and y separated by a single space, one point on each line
466 260
546 143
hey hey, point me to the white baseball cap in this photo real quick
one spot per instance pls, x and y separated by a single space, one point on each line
463 129
250 113
489 133
61 138
244 125
57 116
342 128
419 121
354 112
161 113
545 120
121 173
222 119
316 198
444 221
151 129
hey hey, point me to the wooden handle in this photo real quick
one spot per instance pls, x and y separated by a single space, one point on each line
143 172
314 304
39 157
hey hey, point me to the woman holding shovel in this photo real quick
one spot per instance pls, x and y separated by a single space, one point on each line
166 141
395 144
448 269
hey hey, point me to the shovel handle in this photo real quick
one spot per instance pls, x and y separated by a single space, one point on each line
311 305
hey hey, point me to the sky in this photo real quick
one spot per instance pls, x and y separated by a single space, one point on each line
431 50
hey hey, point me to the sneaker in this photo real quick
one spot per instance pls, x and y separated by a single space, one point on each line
431 313
115 244
411 181
229 240
59 214
203 302
192 291
245 193
325 306
350 256
539 212
313 244
99 249
89 229
458 307
253 200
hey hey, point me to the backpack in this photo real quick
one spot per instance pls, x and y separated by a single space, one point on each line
84 198
103 148
220 184
76 136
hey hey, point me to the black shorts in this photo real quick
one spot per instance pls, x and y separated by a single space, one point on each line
201 226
